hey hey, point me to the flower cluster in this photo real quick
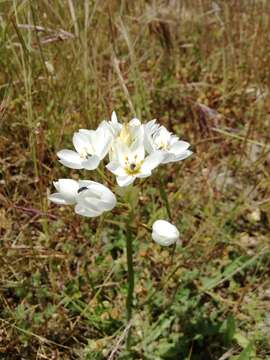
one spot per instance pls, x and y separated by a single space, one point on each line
133 150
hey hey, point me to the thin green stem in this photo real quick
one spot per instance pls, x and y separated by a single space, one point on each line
165 199
129 301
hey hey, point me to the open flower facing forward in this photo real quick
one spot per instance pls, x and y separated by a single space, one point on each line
159 138
129 162
89 197
164 233
91 147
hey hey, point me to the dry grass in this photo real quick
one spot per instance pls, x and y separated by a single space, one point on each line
202 68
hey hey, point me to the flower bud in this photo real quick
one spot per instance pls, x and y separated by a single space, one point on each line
164 233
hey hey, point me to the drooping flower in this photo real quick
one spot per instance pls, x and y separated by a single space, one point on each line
164 233
91 147
89 197
94 198
159 138
129 162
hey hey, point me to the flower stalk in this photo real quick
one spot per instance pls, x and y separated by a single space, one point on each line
129 300
165 199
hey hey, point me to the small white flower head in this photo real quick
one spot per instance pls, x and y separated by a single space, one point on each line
130 163
90 198
159 138
91 147
164 233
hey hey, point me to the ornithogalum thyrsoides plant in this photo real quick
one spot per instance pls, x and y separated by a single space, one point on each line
132 150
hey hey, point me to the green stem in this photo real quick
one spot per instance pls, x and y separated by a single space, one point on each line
129 301
165 199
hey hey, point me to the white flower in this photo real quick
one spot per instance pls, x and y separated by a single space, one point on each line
129 162
159 138
164 233
94 199
91 147
89 197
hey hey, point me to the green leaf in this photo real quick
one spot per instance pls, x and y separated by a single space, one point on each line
231 269
241 340
246 353
159 327
228 329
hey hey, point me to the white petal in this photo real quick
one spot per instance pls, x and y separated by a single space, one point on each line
116 169
170 157
98 188
121 151
125 180
67 192
70 159
179 147
88 133
107 205
81 143
91 163
104 141
112 166
88 202
104 193
135 122
81 210
114 117
140 152
56 185
58 198
148 143
114 126
84 183
143 175
137 150
183 156
68 187
152 161
97 197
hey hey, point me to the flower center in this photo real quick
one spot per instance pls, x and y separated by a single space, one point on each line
162 145
85 152
132 167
